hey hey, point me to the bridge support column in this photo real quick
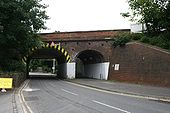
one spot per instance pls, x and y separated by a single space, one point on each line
67 70
71 70
97 71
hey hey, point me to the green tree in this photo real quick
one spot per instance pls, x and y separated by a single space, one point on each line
20 20
154 13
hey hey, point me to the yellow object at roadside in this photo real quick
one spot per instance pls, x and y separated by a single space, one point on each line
6 83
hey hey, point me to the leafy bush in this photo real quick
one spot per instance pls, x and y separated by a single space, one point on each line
145 39
13 66
154 41
161 43
136 36
121 40
44 64
164 45
162 40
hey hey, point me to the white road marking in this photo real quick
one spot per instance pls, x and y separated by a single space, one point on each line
121 94
69 92
119 109
108 83
30 90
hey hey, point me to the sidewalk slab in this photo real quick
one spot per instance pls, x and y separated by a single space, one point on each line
134 89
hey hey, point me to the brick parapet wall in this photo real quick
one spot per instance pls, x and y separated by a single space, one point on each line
81 35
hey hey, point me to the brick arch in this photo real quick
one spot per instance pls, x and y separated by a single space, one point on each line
48 45
93 52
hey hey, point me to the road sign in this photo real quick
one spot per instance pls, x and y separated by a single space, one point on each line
6 83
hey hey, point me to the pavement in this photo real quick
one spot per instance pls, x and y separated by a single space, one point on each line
6 102
9 101
157 93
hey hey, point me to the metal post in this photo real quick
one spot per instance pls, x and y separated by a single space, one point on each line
53 65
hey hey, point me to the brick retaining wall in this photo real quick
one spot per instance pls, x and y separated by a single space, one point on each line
141 63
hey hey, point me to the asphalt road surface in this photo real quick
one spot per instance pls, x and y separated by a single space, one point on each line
57 96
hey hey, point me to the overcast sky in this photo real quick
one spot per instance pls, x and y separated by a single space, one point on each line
86 15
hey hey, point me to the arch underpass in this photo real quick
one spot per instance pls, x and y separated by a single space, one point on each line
90 64
51 59
49 53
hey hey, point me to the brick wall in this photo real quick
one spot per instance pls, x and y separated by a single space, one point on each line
81 35
140 63
74 48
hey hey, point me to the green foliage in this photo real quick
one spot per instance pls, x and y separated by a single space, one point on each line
35 63
121 40
20 20
145 39
136 36
46 68
162 40
13 65
154 13
124 38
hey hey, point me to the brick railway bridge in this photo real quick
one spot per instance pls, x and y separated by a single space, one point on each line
90 54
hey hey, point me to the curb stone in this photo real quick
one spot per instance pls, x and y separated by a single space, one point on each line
153 98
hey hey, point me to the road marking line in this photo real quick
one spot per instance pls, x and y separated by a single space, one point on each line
22 99
119 93
30 90
111 106
101 90
69 92
108 83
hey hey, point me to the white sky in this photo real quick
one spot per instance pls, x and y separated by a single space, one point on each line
86 15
